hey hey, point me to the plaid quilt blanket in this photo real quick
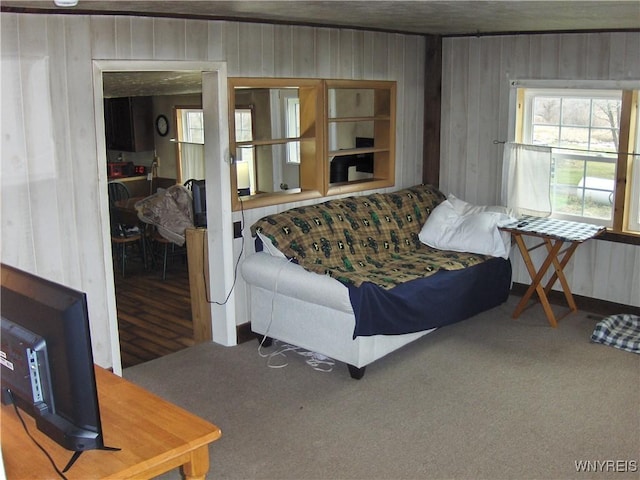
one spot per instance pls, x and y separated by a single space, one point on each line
621 331
370 238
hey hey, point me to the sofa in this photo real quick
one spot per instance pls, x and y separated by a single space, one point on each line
351 279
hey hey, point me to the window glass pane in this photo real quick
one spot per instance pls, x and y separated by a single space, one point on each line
192 126
603 140
634 201
190 136
272 174
546 110
293 152
269 108
292 127
261 169
582 186
574 137
245 171
345 135
351 102
545 135
244 132
576 111
606 113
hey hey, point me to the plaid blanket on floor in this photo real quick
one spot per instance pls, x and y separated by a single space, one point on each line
620 331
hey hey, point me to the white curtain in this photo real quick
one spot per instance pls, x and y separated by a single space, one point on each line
526 179
192 161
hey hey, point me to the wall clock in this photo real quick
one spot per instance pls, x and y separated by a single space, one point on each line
162 125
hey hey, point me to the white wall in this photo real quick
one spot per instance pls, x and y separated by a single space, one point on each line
54 215
475 112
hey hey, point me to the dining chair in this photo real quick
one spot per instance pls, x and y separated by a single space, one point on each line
123 236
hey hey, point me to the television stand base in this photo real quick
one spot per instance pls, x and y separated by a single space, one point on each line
77 454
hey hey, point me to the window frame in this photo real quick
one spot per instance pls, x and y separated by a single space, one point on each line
628 145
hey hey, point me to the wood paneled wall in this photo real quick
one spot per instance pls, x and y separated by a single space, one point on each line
53 197
475 112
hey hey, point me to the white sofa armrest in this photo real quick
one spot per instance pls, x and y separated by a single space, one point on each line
291 280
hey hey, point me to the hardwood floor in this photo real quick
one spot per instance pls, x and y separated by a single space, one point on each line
154 315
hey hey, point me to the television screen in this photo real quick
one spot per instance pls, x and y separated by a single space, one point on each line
45 328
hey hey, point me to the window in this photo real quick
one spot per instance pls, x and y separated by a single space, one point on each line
590 151
634 203
190 143
292 127
192 125
245 155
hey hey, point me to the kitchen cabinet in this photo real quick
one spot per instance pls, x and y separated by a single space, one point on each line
129 124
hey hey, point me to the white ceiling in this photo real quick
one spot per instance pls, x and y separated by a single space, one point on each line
438 17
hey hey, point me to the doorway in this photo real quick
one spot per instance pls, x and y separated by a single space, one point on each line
157 77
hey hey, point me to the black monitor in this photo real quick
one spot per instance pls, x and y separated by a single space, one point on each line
199 193
339 167
47 359
364 161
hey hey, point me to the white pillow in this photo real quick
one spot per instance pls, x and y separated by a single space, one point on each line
474 232
463 208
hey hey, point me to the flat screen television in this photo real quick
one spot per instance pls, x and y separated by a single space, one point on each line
46 359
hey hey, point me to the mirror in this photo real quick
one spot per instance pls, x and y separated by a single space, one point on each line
352 110
267 131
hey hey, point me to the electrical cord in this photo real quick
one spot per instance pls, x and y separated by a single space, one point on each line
315 360
26 429
273 297
235 269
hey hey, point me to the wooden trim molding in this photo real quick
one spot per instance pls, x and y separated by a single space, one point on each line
587 304
432 113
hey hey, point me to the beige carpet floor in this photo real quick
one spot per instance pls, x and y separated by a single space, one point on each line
487 398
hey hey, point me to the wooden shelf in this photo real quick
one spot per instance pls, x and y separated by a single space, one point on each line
380 118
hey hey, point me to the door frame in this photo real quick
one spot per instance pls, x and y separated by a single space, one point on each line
220 231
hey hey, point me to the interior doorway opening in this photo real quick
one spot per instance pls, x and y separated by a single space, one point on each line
143 156
130 79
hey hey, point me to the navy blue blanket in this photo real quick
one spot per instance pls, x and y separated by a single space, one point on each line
440 299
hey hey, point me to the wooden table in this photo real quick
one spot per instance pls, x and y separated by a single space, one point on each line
554 234
154 436
126 210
